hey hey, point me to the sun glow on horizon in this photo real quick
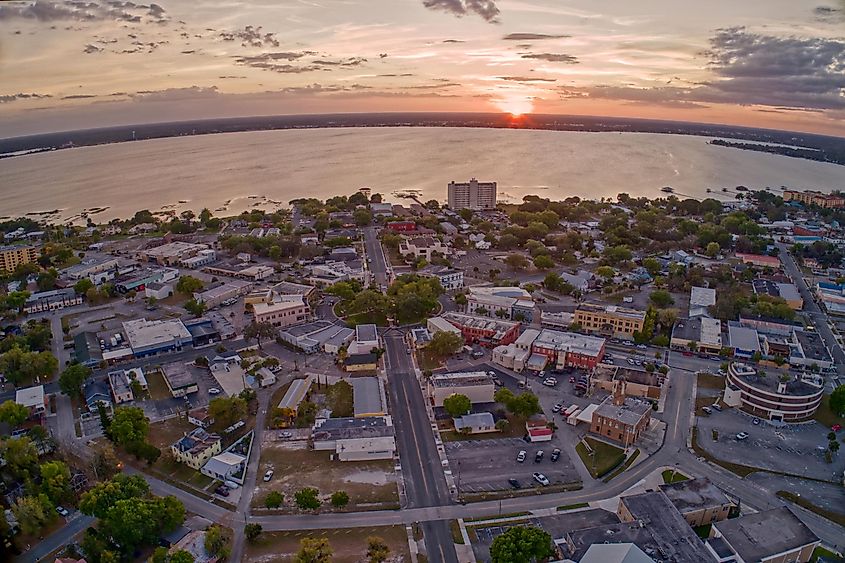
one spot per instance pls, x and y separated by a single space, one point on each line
517 106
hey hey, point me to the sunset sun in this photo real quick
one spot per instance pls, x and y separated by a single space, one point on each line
516 106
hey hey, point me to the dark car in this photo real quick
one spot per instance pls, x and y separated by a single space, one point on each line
514 483
555 454
538 457
222 490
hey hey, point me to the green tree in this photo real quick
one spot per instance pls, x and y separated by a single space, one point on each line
13 414
837 401
181 556
274 499
544 262
258 331
20 366
82 286
21 457
307 498
227 410
32 513
377 550
196 308
605 272
72 378
314 550
445 344
457 405
101 497
55 480
712 249
128 425
216 542
516 262
252 531
521 544
362 217
188 285
652 266
340 499
661 298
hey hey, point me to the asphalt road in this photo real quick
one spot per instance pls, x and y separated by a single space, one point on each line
425 484
812 308
378 265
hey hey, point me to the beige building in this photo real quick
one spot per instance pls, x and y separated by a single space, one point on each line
610 320
476 385
290 311
13 256
699 501
771 536
474 195
195 448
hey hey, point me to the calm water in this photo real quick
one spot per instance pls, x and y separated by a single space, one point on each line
238 171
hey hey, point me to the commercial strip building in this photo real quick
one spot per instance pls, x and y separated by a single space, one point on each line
569 349
439 324
474 195
743 340
52 300
700 300
486 331
609 320
314 336
786 291
90 267
705 332
368 397
478 386
137 281
13 256
355 439
760 260
148 338
786 399
171 253
508 302
288 310
203 258
214 296
810 197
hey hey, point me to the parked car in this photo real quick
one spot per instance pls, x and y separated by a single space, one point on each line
62 511
268 475
514 483
755 422
214 391
555 454
557 408
836 427
497 382
520 457
707 410
630 361
538 457
717 406
571 380
742 436
550 382
523 385
222 490
287 434
540 478
642 346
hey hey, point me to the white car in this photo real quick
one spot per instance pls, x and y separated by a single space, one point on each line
268 475
62 511
214 391
630 361
520 457
550 382
542 479
558 407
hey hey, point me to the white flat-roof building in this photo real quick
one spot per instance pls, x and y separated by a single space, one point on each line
147 338
171 253
701 298
32 398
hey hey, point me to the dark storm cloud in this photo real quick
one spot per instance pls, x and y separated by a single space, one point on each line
532 36
526 79
7 98
251 36
48 11
776 71
552 57
487 9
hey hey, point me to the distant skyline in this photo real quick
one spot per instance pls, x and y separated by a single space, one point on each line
72 64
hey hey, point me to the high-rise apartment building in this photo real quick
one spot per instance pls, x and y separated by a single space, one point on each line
473 195
13 256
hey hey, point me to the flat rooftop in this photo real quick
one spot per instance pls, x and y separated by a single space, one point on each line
367 395
742 337
763 534
702 297
813 346
694 494
352 428
629 413
570 342
612 310
497 326
276 306
291 288
366 333
143 333
177 375
307 329
460 379
639 376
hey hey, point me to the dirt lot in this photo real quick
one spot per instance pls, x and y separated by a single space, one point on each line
349 545
368 483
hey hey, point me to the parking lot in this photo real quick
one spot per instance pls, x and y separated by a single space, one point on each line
486 465
790 448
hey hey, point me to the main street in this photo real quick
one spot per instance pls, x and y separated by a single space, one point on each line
375 257
819 317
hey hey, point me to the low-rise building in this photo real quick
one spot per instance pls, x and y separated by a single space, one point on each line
230 376
89 267
808 349
290 310
366 339
308 292
621 419
362 361
316 335
202 259
475 423
781 399
137 280
33 398
811 197
149 338
700 301
786 291
638 382
200 417
171 253
609 320
699 501
556 319
515 355
368 397
355 439
214 296
86 348
52 300
96 392
486 331
760 260
569 349
178 379
422 247
506 301
770 536
158 290
120 388
478 386
449 278
323 275
439 324
195 448
699 333
294 396
744 341
224 466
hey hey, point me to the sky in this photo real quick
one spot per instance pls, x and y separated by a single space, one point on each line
73 64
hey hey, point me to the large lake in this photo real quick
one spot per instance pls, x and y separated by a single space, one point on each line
237 171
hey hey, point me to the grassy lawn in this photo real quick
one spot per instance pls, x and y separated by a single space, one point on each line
164 433
366 482
515 429
603 459
709 381
349 544
455 528
566 507
826 416
339 397
832 516
672 476
628 462
373 317
157 387
822 552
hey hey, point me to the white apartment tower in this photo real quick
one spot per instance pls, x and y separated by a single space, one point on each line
473 195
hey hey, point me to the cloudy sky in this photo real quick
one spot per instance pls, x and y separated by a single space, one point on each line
67 64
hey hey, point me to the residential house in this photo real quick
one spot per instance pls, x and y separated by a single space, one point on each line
196 447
